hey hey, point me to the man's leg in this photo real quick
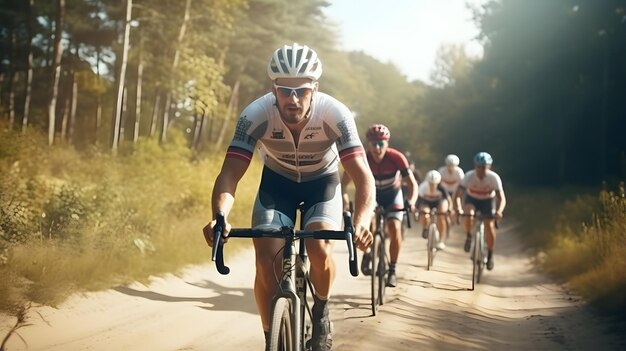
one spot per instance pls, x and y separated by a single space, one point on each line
267 268
394 230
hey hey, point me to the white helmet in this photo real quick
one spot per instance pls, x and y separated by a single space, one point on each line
433 177
452 160
294 61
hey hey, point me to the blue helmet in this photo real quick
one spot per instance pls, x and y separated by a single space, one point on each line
483 158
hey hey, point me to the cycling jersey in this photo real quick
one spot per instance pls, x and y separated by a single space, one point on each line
437 194
482 189
450 180
389 171
329 136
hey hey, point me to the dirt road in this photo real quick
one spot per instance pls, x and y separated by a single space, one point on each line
514 309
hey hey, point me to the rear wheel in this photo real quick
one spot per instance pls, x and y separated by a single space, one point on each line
281 333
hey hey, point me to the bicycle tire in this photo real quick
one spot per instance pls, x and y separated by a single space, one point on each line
374 276
475 255
381 270
430 245
282 336
481 249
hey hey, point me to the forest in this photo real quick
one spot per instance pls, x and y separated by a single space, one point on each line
114 115
544 100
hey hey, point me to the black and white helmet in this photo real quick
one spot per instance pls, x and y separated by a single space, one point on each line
294 61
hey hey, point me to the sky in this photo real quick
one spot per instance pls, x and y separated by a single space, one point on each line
407 33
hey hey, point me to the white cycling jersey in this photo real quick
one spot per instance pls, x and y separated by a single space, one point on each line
436 194
482 189
329 136
451 180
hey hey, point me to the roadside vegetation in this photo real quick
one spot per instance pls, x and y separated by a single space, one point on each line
579 235
73 222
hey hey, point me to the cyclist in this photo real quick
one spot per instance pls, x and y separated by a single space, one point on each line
303 135
433 195
451 175
484 193
389 167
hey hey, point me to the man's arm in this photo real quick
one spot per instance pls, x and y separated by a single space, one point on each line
345 181
411 183
457 199
500 203
223 196
364 198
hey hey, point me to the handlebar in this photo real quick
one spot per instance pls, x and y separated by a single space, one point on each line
406 209
285 232
478 216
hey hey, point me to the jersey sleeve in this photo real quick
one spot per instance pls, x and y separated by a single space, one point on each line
341 126
251 125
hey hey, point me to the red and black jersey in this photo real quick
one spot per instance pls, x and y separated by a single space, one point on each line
389 171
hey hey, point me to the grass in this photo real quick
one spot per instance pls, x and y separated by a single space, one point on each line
72 222
583 238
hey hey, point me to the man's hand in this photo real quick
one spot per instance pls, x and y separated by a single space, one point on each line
362 237
498 215
208 233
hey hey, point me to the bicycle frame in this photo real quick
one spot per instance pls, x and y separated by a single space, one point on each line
288 330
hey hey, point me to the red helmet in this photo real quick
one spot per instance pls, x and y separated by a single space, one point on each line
378 132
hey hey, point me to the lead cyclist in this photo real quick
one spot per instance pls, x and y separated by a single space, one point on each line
303 135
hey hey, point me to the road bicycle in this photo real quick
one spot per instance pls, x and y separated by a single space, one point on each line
433 234
479 248
379 262
291 311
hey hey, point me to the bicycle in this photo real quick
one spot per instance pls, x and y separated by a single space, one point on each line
379 257
291 312
433 235
478 248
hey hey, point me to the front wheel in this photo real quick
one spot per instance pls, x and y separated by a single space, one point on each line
381 269
430 246
281 333
374 276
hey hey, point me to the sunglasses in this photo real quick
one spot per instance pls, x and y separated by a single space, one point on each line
288 91
377 144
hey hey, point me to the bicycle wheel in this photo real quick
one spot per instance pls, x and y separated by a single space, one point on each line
381 269
475 259
281 333
480 243
374 277
430 245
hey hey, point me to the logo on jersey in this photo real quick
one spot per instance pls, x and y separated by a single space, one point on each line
277 134
310 135
348 131
241 131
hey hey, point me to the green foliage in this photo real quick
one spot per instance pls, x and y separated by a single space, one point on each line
89 221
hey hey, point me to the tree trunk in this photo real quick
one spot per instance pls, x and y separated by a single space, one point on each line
138 96
122 77
72 128
155 114
12 78
29 65
232 104
168 99
58 54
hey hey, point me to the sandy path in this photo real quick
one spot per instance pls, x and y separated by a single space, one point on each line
515 309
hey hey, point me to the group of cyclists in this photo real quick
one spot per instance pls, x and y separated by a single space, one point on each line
302 136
